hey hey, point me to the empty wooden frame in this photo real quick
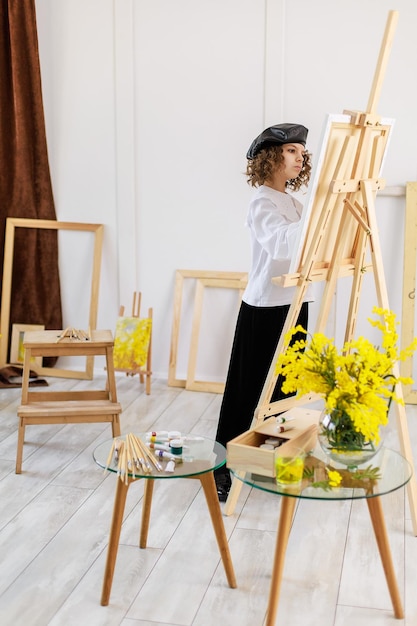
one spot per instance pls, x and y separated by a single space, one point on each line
409 286
11 225
203 279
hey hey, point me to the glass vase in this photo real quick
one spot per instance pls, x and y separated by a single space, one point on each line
342 443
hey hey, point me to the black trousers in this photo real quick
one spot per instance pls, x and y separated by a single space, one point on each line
258 330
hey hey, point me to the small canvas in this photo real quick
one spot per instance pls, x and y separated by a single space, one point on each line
17 351
131 343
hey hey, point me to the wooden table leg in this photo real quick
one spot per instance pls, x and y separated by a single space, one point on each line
378 523
116 525
284 527
209 487
146 511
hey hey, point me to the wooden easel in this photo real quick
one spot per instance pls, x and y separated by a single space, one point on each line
341 225
147 370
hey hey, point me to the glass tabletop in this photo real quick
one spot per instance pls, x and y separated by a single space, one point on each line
199 456
385 472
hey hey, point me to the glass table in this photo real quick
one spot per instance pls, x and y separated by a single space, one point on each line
386 472
200 461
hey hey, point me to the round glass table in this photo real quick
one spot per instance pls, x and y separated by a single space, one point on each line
325 480
200 457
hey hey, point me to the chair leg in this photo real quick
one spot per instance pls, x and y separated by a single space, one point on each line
20 442
115 426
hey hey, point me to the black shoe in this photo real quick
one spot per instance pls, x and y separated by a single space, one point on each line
223 484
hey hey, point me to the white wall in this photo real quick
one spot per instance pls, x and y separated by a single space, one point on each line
151 106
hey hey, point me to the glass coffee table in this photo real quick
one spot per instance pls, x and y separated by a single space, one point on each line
207 455
386 472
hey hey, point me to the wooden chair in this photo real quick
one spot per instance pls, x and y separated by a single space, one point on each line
133 346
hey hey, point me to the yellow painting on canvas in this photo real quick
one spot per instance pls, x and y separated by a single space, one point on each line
131 342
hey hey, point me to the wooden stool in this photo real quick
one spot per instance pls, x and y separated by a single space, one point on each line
67 407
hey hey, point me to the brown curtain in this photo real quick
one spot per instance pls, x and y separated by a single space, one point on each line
25 183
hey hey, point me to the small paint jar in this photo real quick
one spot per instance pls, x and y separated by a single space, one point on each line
176 446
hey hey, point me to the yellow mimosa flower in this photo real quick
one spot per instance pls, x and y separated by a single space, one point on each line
334 477
357 383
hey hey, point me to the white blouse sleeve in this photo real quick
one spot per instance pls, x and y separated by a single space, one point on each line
275 228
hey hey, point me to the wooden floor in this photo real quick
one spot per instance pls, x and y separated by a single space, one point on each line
55 518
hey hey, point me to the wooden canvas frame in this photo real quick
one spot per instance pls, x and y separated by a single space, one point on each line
11 225
409 285
225 280
202 283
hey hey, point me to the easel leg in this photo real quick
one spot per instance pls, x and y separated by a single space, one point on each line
209 486
284 527
116 525
146 512
383 301
378 523
233 496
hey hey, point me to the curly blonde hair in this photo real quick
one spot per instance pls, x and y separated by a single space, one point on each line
262 167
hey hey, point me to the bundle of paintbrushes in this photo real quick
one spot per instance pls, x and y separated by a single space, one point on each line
74 333
133 458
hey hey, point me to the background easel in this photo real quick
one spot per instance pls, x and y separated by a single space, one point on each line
341 230
145 371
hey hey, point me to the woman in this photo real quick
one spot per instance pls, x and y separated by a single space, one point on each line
277 163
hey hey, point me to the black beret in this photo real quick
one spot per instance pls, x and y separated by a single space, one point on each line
277 136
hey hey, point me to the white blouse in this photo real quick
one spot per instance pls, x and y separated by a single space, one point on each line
273 219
